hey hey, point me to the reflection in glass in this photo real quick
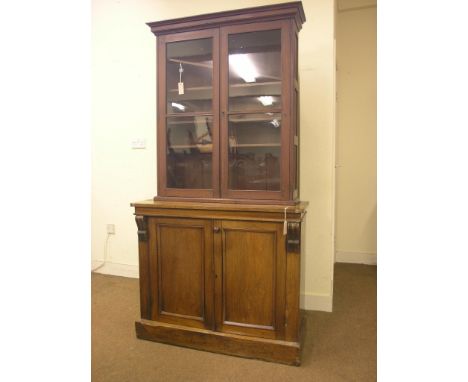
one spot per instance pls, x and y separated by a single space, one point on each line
189 72
254 151
189 152
255 70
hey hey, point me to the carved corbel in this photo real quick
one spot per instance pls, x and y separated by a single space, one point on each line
142 225
293 238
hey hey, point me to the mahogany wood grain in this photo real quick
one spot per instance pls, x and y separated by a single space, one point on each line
283 203
143 259
226 31
224 215
292 10
163 190
280 16
183 249
293 268
251 263
298 208
222 272
217 273
227 343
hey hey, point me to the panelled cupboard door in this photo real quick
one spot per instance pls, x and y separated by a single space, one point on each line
181 277
250 267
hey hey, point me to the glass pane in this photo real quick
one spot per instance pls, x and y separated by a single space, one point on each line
255 70
189 75
189 152
254 151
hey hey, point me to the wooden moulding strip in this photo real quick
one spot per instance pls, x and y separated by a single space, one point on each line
236 207
227 215
292 10
231 344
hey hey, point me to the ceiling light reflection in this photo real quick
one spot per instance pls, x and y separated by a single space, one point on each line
243 66
178 106
266 100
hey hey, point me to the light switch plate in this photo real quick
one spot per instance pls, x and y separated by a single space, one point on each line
139 143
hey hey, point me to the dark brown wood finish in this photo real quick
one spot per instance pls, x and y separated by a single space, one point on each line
291 10
252 254
227 211
227 193
289 18
143 259
222 269
293 268
163 190
183 252
243 346
217 272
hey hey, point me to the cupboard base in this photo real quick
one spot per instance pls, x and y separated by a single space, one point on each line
231 344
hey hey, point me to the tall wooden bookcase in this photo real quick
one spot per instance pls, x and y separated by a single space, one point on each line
220 245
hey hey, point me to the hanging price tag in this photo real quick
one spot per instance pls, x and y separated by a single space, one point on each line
181 84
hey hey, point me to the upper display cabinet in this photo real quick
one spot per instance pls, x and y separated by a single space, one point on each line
228 99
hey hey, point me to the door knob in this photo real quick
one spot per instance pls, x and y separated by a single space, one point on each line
216 229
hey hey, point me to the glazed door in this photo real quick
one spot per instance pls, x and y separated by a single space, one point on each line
255 110
250 267
181 275
188 114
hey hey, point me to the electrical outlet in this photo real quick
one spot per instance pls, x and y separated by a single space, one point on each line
111 229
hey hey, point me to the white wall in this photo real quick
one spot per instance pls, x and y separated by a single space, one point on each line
124 99
356 177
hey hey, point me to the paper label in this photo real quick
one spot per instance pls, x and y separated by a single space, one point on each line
181 88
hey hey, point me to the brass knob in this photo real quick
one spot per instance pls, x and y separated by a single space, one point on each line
216 229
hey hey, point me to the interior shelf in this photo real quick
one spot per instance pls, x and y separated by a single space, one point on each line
239 145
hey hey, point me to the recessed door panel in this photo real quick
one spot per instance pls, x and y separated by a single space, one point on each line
250 270
181 282
249 290
182 271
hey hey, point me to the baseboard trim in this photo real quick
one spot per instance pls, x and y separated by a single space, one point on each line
356 257
218 342
311 301
117 269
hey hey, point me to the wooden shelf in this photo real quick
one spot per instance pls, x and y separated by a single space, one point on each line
258 119
235 120
241 85
241 145
200 147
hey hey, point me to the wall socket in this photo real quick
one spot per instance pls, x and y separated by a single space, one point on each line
111 229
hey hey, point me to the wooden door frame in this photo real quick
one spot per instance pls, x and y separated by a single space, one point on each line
286 75
163 190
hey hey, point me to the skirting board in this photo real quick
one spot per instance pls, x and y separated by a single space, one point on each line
309 301
356 257
116 269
